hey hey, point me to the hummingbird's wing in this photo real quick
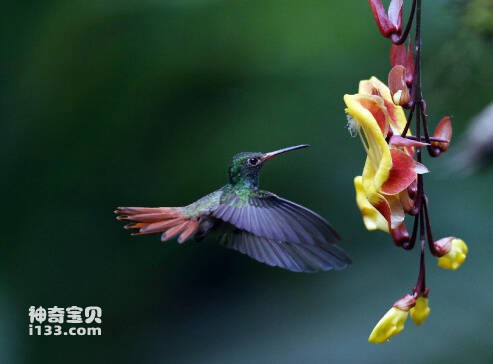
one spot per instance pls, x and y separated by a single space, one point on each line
262 225
265 214
281 227
290 256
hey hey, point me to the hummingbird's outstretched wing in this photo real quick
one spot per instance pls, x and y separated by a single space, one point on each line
290 256
262 225
265 214
280 227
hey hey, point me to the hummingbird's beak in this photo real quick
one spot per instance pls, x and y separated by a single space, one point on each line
281 151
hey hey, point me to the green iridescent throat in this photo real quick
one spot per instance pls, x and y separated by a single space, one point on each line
243 176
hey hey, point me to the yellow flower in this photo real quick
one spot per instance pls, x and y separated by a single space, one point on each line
420 312
381 190
455 252
389 325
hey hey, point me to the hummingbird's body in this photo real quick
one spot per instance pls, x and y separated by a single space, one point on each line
258 223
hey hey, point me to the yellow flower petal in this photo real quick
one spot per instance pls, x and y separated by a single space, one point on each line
455 256
420 312
396 113
362 109
389 325
372 219
367 87
375 177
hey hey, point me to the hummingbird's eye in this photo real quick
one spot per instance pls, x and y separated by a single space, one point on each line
253 161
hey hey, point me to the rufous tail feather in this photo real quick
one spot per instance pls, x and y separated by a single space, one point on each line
169 221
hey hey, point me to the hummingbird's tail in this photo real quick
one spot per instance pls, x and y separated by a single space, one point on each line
169 221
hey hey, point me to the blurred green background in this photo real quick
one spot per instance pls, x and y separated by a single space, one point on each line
106 103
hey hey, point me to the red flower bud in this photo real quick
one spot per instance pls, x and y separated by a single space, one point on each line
397 55
397 85
443 131
388 23
400 56
412 189
400 235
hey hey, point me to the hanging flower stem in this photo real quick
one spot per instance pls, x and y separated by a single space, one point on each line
382 200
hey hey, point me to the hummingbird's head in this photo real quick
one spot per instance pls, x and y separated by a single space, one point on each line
245 166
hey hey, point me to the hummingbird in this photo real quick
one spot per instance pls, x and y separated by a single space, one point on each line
260 224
